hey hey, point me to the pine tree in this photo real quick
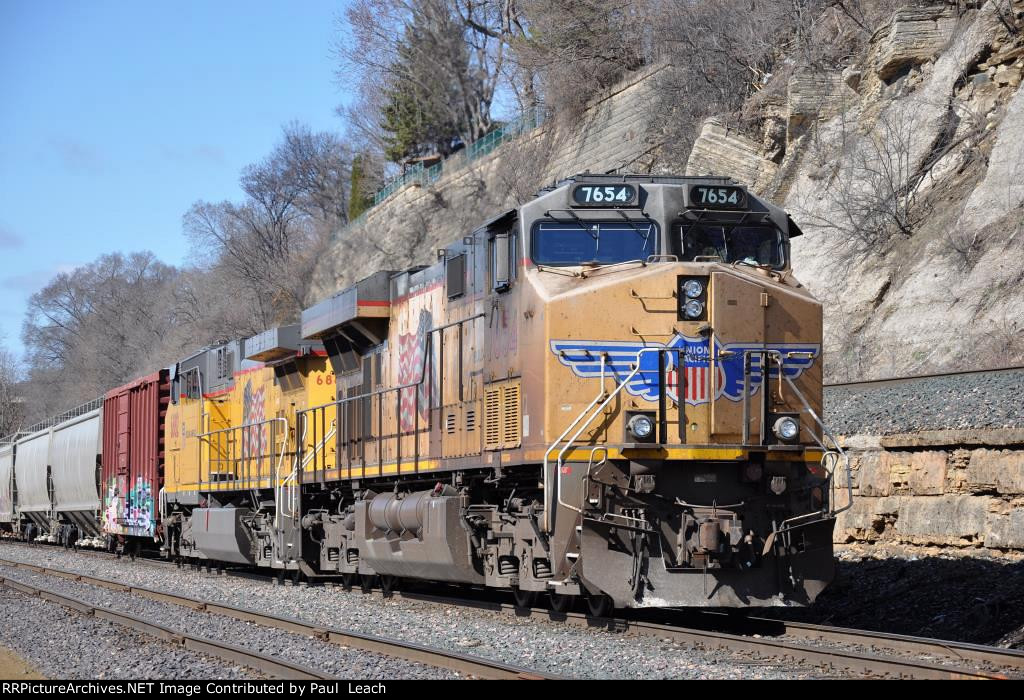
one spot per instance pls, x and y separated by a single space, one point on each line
360 195
418 118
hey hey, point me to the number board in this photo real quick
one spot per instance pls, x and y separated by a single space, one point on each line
721 197
603 195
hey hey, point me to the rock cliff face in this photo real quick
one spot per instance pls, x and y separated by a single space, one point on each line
937 489
905 168
906 171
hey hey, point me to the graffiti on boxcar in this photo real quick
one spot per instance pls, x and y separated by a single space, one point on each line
132 515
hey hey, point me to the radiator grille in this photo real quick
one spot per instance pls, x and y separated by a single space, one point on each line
502 416
492 418
510 413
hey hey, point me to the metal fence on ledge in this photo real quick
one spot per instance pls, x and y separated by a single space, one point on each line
420 175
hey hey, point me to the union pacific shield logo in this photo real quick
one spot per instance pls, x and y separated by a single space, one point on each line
687 368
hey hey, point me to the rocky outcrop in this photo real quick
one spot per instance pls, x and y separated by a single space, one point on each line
815 95
720 151
1002 188
943 149
914 35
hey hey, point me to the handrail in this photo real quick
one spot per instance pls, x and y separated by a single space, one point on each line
837 450
586 478
279 456
298 464
545 524
765 377
546 521
50 422
400 432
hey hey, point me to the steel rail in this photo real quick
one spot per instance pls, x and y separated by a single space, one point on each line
475 666
889 381
275 667
901 643
854 662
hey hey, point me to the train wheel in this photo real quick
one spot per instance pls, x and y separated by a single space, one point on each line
366 582
600 605
348 581
524 599
559 602
388 584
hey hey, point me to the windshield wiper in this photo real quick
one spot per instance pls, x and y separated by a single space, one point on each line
643 234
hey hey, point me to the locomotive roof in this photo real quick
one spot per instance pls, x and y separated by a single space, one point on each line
639 177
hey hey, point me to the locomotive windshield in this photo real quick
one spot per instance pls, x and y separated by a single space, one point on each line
592 242
754 245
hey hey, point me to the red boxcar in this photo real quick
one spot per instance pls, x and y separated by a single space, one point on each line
133 455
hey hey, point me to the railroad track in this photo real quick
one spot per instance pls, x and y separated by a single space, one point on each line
891 381
853 652
466 664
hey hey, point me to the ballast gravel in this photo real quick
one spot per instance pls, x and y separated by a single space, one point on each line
334 659
529 643
961 402
66 645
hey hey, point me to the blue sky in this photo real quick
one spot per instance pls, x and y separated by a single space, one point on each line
116 116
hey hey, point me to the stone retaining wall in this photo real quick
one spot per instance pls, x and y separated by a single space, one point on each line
613 134
949 488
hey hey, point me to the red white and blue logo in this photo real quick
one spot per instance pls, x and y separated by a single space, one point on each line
687 368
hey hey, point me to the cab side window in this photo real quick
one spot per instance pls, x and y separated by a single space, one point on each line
503 256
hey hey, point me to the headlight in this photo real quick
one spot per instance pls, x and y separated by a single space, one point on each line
692 289
693 309
786 428
640 426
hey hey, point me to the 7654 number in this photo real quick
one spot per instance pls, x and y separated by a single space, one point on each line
718 196
611 194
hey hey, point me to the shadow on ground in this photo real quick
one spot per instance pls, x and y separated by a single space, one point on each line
962 599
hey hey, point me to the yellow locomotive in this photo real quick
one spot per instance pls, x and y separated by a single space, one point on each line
611 393
231 445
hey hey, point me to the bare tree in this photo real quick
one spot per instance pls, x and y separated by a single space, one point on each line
317 165
12 401
96 327
569 51
870 198
267 244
